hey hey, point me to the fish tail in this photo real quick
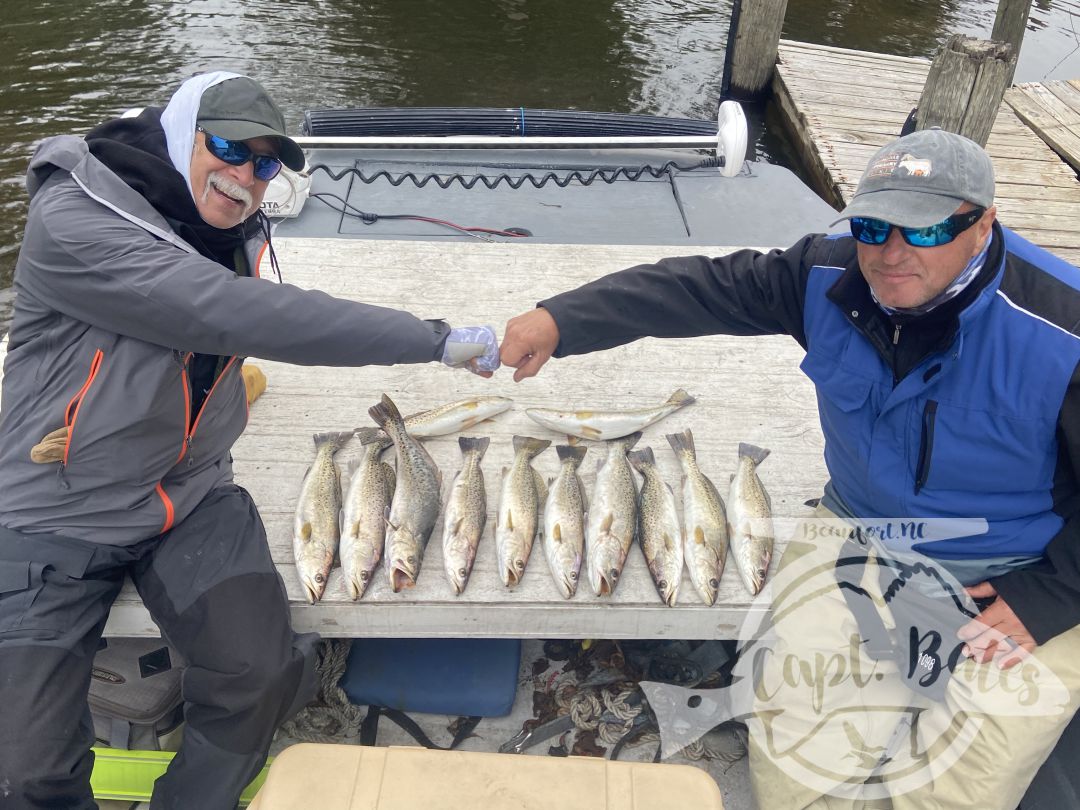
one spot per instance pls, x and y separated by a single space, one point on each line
629 441
372 435
529 446
681 398
385 413
478 444
336 439
752 452
641 458
566 453
682 443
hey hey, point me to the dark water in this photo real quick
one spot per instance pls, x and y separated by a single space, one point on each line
69 64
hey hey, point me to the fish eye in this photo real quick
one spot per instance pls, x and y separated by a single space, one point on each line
519 565
364 576
663 584
411 560
461 572
714 583
320 578
573 575
614 574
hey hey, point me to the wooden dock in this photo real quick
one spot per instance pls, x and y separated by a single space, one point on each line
748 389
842 105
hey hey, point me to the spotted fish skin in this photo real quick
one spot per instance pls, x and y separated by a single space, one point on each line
598 425
518 518
363 530
466 513
316 527
415 506
705 529
611 521
564 521
453 417
658 527
750 528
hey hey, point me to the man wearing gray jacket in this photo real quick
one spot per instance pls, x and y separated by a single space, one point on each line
137 302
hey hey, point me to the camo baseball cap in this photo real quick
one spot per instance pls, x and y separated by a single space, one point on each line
239 108
920 179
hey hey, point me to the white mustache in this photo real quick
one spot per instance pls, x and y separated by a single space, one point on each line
227 186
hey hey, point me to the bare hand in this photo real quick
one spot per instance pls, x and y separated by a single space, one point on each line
529 340
997 634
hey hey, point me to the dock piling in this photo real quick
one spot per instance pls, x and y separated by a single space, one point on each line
753 43
965 85
1009 26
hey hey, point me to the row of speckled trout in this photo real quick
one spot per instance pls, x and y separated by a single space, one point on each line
390 515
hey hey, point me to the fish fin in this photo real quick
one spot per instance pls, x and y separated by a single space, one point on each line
572 440
699 536
556 533
529 446
668 541
605 526
477 443
592 433
368 435
385 412
509 520
305 531
391 480
629 441
641 458
565 452
354 530
681 398
457 525
386 519
336 439
682 443
541 488
812 503
755 454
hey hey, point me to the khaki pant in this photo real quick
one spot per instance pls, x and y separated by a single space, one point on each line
834 728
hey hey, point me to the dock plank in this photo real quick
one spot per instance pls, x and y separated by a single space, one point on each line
748 389
837 129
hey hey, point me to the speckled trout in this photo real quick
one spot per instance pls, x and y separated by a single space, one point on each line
466 513
705 528
316 528
454 417
517 521
607 425
659 531
363 531
750 527
564 521
611 521
415 506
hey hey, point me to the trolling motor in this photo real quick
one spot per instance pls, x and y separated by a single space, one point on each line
731 137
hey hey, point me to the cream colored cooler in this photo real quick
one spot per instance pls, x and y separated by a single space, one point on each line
353 777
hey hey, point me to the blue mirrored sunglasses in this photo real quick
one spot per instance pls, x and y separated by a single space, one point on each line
237 153
876 231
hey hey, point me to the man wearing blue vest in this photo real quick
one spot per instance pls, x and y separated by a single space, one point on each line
945 353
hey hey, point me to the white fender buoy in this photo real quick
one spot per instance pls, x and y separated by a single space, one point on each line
731 137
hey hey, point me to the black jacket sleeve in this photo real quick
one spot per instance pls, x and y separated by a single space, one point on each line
1046 596
744 293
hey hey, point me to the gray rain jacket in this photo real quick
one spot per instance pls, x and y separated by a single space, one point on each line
111 304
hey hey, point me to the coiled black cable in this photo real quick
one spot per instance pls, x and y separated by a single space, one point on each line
608 176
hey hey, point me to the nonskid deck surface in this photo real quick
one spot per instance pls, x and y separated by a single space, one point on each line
765 204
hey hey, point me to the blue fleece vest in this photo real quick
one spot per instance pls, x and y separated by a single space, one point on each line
975 439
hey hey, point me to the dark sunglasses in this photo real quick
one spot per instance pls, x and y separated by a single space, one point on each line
237 153
876 231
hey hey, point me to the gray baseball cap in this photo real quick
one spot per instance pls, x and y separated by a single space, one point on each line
922 178
239 109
